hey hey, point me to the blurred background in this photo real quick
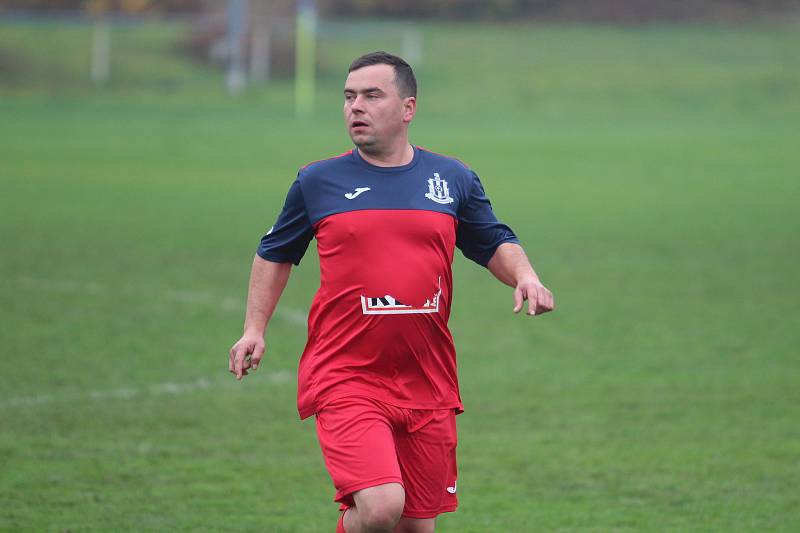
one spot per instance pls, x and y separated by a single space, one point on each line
646 153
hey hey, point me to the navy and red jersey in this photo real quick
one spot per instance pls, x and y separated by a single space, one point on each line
386 237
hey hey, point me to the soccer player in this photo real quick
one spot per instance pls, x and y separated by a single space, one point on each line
379 368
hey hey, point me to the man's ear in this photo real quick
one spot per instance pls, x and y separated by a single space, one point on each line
409 108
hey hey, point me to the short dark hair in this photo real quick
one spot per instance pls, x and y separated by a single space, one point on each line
403 75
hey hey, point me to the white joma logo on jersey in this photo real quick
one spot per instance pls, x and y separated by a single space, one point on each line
389 305
359 190
452 490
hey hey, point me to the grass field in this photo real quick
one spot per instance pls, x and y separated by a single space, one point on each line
652 174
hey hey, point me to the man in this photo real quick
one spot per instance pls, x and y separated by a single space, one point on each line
379 367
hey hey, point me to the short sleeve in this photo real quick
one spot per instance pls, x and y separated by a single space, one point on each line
479 232
287 241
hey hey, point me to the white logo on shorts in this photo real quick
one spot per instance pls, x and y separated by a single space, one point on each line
452 490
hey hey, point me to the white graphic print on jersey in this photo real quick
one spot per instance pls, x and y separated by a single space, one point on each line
388 305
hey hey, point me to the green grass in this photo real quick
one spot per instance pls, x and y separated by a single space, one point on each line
651 173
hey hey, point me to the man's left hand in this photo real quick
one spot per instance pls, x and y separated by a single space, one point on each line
540 299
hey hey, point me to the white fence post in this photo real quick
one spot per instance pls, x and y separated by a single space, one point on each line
237 24
101 51
412 46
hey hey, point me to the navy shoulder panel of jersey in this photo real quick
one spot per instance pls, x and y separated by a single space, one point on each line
479 233
430 182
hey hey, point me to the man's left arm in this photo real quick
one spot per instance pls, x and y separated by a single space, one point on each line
510 265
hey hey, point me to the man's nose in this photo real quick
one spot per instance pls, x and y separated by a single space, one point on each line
358 104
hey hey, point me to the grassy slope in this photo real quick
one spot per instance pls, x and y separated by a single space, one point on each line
651 172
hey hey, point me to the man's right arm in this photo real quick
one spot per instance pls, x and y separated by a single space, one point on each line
267 281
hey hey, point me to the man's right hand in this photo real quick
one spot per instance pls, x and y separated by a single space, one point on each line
246 354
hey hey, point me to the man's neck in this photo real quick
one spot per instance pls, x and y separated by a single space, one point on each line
403 155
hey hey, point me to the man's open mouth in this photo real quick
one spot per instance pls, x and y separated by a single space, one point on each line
358 123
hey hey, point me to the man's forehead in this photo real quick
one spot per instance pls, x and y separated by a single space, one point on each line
381 76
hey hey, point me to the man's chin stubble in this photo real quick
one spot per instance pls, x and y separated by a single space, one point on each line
366 145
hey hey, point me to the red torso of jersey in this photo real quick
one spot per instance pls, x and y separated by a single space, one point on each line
378 324
386 239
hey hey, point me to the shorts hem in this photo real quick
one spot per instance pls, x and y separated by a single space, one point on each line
429 514
346 492
320 403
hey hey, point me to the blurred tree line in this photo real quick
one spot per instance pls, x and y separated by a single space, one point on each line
584 10
581 10
115 6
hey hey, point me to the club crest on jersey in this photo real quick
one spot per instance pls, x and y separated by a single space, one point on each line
389 305
438 191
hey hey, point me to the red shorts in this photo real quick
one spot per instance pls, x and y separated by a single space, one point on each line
366 443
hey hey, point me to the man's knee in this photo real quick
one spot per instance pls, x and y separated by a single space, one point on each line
379 508
381 517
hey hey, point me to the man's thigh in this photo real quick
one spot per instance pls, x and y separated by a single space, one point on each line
427 456
357 442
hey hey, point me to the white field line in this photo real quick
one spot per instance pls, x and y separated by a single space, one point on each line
228 303
168 388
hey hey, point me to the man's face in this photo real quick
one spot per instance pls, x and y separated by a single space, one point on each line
374 111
